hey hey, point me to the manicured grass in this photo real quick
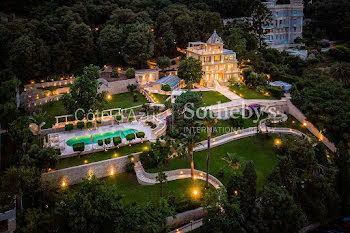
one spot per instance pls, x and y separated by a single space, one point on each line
126 100
248 93
224 127
52 109
212 98
160 98
132 191
99 156
293 124
259 149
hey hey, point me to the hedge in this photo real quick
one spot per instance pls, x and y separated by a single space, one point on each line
130 137
68 127
275 92
79 146
80 125
140 134
58 151
88 124
100 142
107 141
150 123
117 141
118 117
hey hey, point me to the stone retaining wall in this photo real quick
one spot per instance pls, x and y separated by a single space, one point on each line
118 87
75 175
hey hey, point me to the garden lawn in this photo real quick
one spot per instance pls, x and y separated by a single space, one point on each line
132 191
213 97
126 100
259 149
99 156
160 98
248 93
224 127
52 109
292 123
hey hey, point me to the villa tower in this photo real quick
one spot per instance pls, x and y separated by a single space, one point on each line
218 64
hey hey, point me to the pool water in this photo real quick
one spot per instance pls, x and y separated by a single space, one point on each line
100 136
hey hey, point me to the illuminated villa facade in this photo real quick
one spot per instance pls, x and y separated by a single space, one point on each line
286 25
218 64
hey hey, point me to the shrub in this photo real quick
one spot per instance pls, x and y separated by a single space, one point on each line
140 134
68 127
130 73
166 87
129 167
88 124
107 141
117 141
131 87
130 137
173 62
115 73
118 118
79 146
80 125
98 122
100 142
135 97
131 118
150 123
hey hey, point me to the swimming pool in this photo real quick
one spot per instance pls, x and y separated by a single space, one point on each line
100 136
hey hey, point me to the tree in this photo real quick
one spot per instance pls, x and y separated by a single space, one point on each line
223 216
84 94
341 72
40 158
278 211
190 70
232 160
163 62
8 101
261 17
161 178
190 141
247 194
210 123
110 41
90 208
139 45
91 72
115 73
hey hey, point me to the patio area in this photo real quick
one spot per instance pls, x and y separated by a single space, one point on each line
59 140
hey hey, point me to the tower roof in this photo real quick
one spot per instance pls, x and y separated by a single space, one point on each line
215 39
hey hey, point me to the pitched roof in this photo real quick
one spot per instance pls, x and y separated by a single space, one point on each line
215 39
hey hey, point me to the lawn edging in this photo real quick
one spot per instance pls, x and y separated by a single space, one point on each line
100 169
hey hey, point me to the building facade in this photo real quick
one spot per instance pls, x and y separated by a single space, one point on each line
286 25
146 76
218 64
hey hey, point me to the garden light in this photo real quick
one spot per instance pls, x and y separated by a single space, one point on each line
278 142
109 97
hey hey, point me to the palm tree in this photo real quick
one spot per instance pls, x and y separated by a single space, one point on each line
210 123
191 140
341 72
161 178
38 119
233 161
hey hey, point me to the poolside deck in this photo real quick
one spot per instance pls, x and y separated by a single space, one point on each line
59 140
